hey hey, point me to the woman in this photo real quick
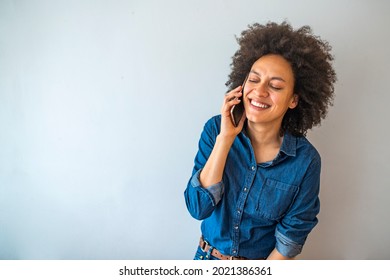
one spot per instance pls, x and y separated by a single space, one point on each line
256 185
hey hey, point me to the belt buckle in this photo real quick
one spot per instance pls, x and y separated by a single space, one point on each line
205 243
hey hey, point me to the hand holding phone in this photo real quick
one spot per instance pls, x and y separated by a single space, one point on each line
238 110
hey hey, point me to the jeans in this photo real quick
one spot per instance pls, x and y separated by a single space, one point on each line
204 256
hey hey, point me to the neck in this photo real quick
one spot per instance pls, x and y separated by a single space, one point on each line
266 141
262 136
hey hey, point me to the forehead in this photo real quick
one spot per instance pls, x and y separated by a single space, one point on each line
273 65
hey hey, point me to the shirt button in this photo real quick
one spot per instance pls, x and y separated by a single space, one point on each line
245 189
236 227
238 211
253 167
234 251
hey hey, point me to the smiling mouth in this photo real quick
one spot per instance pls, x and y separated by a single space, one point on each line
259 104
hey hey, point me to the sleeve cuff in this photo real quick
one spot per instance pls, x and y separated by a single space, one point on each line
214 191
286 246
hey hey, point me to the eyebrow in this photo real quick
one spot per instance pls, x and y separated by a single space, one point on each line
272 78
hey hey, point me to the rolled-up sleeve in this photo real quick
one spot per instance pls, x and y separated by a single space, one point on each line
201 201
286 246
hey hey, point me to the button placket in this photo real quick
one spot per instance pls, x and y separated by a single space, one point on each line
240 207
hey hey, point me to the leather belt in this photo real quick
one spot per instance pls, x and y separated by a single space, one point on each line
206 247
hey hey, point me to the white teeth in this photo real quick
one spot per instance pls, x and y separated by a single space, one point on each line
260 105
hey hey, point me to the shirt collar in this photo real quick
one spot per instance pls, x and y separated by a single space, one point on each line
289 145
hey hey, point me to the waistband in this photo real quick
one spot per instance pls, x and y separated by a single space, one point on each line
205 246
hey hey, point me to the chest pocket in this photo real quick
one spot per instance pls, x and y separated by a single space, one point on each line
275 199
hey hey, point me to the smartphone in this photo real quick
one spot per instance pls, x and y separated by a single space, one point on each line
238 110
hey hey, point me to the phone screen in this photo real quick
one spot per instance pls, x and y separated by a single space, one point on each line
238 110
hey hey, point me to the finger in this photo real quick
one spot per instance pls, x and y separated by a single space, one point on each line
234 91
232 102
233 95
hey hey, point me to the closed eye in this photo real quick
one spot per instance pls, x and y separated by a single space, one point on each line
276 87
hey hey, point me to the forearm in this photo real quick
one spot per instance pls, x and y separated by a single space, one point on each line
275 255
212 172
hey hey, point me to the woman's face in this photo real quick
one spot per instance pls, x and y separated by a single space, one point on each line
269 90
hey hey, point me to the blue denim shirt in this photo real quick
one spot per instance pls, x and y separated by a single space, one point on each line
257 207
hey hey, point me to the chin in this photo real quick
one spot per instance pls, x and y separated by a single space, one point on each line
254 120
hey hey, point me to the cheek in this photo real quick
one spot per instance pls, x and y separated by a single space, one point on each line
277 99
245 96
246 91
282 98
281 103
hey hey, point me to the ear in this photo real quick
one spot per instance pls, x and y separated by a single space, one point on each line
294 101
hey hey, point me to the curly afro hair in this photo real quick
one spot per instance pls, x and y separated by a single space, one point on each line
310 60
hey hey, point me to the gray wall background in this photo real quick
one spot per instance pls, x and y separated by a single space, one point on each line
101 108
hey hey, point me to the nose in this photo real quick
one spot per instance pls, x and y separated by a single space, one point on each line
261 90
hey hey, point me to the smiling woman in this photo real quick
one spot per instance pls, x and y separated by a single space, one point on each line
310 60
255 183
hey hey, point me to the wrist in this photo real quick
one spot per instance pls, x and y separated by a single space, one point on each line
226 140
